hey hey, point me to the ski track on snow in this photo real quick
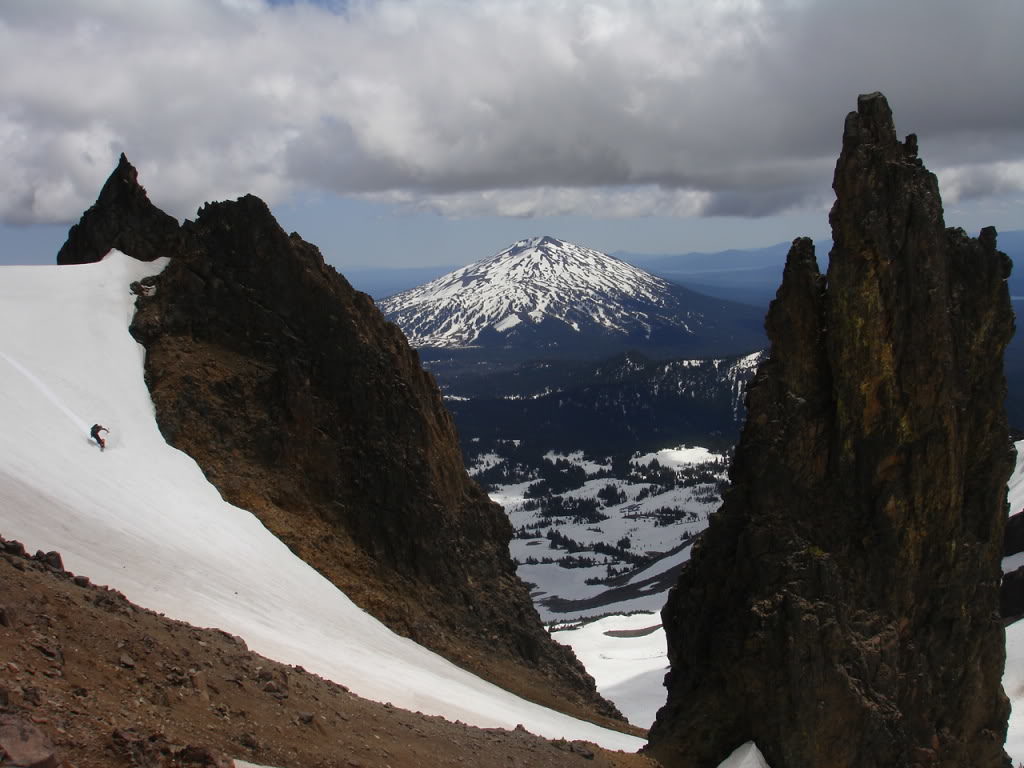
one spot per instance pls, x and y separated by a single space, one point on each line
47 392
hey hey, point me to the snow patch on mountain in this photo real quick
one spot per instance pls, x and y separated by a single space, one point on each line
536 280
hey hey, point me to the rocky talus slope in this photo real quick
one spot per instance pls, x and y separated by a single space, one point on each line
90 680
304 406
843 608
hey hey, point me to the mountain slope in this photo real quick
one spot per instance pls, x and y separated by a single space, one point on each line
304 406
547 298
113 685
142 518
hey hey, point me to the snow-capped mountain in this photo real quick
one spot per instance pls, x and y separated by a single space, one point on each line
545 296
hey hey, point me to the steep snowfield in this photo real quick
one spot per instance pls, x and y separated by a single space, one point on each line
142 518
1013 677
628 658
534 280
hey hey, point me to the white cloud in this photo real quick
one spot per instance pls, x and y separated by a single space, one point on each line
517 107
966 182
598 202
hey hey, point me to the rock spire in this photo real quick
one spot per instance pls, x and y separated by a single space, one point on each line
124 218
842 609
302 404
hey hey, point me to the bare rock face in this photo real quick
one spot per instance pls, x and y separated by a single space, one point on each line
304 406
122 218
842 609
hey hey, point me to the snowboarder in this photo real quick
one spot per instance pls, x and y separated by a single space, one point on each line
94 433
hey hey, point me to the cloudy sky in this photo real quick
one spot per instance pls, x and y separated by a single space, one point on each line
415 132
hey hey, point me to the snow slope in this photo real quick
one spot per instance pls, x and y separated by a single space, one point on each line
1013 676
142 518
1015 485
628 658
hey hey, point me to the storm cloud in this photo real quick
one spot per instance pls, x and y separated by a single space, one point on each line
614 108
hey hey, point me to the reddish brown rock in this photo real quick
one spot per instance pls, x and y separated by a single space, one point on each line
24 744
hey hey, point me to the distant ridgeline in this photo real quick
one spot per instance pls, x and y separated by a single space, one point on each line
616 407
752 277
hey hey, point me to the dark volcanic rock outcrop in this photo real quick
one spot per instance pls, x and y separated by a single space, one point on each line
122 217
843 607
303 405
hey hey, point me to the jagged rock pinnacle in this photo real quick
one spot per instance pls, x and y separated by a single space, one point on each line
871 123
124 218
842 608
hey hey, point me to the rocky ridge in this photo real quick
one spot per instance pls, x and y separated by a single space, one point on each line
843 607
304 406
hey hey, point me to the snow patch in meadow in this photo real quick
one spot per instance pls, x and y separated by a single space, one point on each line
576 458
484 462
508 323
675 458
659 567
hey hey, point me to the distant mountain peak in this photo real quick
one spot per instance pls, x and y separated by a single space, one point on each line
532 281
536 243
545 294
